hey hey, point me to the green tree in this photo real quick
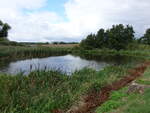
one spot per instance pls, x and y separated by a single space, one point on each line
101 39
119 36
146 38
89 42
4 28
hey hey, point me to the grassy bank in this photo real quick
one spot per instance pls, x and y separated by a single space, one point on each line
145 80
134 102
121 102
107 52
43 92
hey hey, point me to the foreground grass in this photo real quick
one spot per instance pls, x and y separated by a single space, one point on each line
123 102
42 92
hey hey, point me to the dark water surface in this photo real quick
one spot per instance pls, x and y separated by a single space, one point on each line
66 64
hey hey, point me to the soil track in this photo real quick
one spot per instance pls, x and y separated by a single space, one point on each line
91 101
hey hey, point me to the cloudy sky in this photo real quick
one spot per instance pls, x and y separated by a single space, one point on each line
70 20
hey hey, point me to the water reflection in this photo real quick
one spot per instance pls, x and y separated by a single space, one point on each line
66 64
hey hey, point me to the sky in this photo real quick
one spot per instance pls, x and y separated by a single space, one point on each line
70 20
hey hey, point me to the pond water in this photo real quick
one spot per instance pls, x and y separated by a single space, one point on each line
65 64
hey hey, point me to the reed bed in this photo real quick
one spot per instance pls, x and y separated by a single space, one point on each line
26 51
45 91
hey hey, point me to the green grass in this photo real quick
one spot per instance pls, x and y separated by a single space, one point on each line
145 79
27 51
136 103
113 102
42 92
121 102
134 50
107 52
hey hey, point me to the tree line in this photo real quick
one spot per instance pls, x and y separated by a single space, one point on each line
118 37
146 38
4 28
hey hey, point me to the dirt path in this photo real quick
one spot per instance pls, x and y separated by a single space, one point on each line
92 101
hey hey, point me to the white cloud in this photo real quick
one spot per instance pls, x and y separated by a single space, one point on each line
33 26
84 17
93 14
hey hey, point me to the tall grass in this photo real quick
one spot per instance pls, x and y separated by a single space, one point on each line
25 51
141 51
42 92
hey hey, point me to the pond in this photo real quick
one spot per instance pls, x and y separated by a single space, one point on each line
65 64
